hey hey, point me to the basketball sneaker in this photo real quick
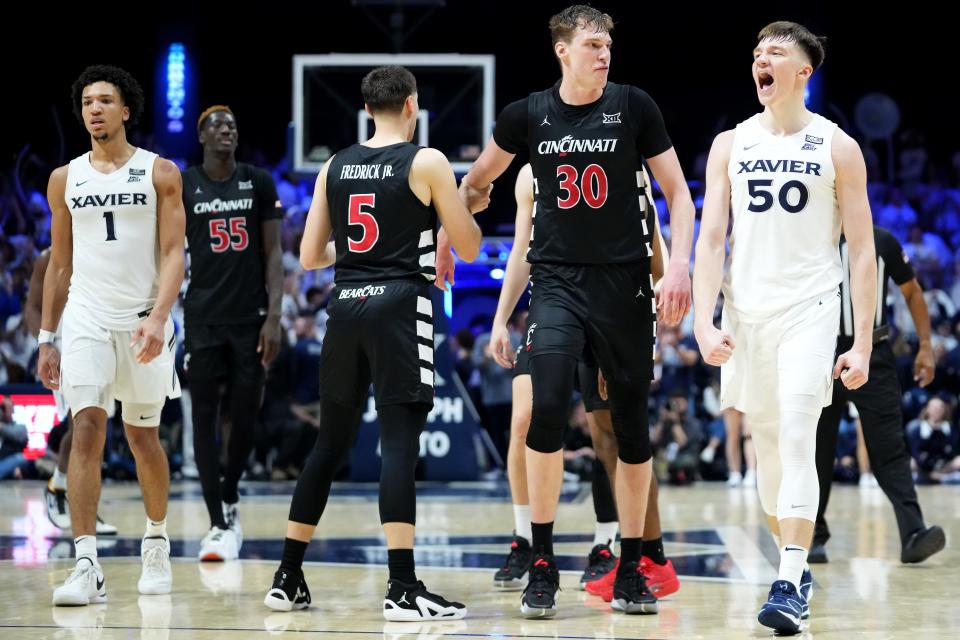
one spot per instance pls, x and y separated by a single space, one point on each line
413 603
289 591
511 576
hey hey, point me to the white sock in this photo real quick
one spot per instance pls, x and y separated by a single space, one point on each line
521 522
793 558
59 481
156 529
86 547
605 532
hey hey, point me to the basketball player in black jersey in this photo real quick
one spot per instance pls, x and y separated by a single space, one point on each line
381 198
590 255
231 312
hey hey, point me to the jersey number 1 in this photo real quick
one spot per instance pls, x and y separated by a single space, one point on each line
111 231
371 230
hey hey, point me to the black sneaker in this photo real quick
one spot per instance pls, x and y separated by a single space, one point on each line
818 554
511 576
540 597
630 591
600 562
922 544
289 591
413 603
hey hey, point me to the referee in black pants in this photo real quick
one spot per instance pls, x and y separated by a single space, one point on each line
878 403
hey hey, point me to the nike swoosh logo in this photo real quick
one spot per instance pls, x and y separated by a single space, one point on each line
82 183
797 506
146 417
794 619
792 549
99 583
747 148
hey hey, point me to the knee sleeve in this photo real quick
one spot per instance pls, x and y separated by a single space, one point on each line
338 429
400 427
766 430
799 494
631 423
551 375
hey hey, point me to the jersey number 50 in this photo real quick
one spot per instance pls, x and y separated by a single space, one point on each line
593 186
756 190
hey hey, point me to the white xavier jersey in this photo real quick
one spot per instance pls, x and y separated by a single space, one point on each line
786 222
116 256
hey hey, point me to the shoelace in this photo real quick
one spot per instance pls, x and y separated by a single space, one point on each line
86 572
154 559
541 579
514 557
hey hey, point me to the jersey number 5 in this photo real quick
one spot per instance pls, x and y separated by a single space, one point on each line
237 238
371 230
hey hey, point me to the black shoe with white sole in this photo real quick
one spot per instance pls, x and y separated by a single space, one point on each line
413 603
540 597
289 591
513 573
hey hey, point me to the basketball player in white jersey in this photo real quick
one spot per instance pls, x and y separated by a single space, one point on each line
117 246
791 177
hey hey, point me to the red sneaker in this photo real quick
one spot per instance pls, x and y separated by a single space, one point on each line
661 579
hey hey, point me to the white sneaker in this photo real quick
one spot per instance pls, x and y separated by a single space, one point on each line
58 509
749 479
219 545
86 585
231 513
708 454
105 528
868 481
156 577
734 479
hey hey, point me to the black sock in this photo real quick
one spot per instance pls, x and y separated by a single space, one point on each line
653 549
629 552
542 542
293 552
400 563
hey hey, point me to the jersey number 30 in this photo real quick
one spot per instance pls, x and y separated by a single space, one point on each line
593 186
365 219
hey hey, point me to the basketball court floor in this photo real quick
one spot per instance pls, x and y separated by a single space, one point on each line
714 535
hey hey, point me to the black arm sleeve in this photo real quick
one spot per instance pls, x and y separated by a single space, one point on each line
888 248
652 138
510 132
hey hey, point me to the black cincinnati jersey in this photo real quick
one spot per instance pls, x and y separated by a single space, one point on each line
592 204
382 229
225 242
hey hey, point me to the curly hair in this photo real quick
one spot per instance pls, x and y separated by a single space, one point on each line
130 91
